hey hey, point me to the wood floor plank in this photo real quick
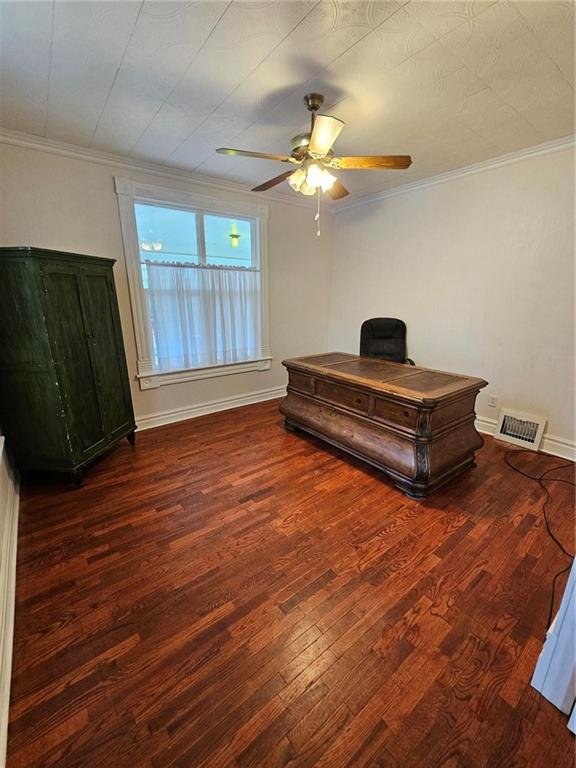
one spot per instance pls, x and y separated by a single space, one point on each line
228 594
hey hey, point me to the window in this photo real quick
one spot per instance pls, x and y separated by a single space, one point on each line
196 270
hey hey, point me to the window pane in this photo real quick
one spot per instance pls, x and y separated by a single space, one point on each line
166 234
228 241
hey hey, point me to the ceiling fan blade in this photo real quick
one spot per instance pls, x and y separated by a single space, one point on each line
325 132
248 153
338 190
372 161
272 182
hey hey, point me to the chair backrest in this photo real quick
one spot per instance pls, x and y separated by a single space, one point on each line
384 337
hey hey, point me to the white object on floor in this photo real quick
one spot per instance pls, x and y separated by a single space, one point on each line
9 501
555 673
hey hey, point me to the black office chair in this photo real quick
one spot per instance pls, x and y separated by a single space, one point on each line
384 337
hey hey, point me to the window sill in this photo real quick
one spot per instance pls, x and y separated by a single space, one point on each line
155 380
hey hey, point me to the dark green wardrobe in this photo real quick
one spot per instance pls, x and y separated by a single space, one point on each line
64 391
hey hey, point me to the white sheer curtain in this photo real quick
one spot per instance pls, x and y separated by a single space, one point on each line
203 316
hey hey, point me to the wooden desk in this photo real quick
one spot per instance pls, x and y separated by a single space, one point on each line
415 424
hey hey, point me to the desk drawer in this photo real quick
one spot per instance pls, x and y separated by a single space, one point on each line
345 396
301 382
396 414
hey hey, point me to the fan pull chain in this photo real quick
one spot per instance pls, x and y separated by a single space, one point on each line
317 217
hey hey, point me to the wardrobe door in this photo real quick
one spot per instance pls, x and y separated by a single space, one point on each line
107 348
68 337
31 413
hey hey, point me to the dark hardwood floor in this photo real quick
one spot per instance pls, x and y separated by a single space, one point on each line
229 594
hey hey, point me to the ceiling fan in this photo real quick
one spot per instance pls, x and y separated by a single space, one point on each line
313 154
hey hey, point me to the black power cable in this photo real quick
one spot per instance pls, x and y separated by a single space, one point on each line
541 480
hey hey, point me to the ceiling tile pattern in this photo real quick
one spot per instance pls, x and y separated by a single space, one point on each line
450 82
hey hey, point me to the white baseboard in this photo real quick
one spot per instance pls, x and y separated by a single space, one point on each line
192 411
9 503
556 446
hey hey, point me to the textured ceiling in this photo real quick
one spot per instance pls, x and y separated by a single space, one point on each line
451 83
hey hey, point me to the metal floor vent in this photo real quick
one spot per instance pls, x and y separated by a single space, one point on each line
523 429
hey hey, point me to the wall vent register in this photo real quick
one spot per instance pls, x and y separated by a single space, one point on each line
525 429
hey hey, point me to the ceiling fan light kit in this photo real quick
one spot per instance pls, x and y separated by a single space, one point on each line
314 155
309 177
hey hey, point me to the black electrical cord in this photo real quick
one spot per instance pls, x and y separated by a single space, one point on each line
541 480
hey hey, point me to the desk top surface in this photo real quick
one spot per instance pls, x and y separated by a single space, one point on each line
407 381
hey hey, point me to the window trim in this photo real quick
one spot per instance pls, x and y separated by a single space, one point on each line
130 192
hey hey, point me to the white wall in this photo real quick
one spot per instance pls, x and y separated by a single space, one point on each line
65 203
481 269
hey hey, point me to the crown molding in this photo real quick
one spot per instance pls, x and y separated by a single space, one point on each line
39 143
29 141
486 165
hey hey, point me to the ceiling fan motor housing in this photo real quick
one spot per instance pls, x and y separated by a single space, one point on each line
299 141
